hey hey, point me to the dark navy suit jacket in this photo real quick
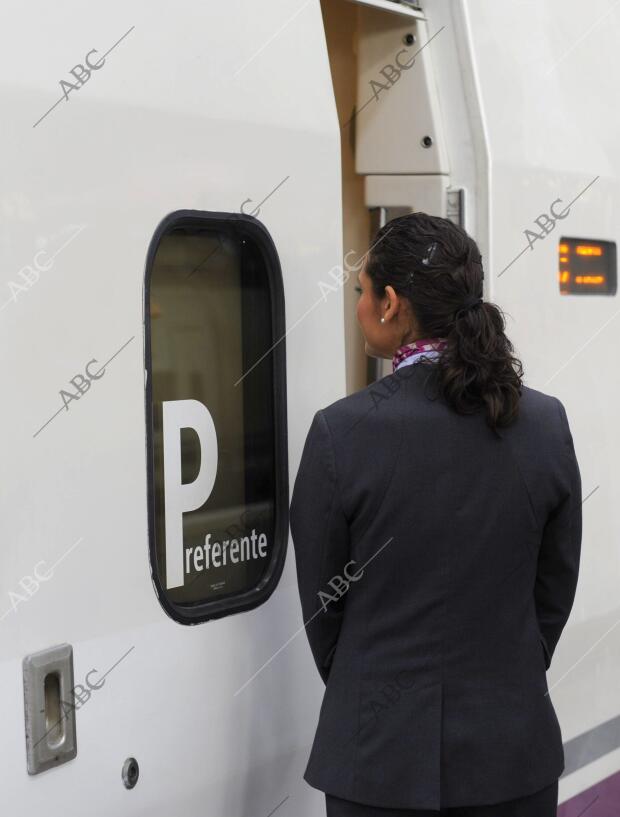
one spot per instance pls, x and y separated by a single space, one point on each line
437 564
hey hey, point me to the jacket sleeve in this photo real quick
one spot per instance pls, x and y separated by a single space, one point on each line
320 535
560 550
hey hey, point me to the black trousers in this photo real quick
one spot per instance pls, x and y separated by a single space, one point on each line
543 803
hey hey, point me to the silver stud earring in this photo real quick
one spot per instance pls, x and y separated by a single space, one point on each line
382 320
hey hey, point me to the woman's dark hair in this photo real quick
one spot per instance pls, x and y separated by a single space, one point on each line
439 268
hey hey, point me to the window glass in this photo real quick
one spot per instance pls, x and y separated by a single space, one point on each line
587 266
215 415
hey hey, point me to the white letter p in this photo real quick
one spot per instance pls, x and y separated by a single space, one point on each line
180 498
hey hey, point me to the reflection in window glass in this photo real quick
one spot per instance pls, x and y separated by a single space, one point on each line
218 483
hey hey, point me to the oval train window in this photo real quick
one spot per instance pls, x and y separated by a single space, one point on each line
215 414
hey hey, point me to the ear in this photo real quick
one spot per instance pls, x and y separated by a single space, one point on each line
393 298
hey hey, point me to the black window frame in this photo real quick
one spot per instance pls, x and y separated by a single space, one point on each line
240 226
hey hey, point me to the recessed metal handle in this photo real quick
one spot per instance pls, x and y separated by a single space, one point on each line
49 708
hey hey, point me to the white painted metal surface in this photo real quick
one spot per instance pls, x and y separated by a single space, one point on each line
200 106
392 7
204 106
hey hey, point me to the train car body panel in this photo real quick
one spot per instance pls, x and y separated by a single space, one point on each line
243 108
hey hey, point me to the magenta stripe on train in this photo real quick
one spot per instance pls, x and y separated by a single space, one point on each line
600 800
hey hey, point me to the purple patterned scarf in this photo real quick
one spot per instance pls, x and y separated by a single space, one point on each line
412 352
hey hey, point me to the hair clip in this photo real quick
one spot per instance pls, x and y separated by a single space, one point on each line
410 279
429 253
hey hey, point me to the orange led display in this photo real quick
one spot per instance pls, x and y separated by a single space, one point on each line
584 249
590 279
586 266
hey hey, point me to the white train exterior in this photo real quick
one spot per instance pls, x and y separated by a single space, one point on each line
274 136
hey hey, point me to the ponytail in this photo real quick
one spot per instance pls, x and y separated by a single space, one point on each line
477 368
438 267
